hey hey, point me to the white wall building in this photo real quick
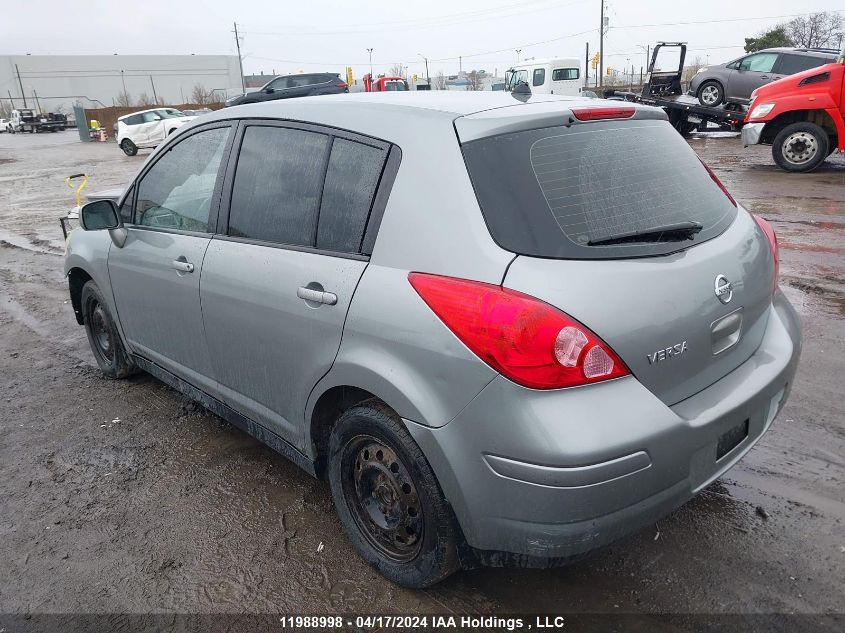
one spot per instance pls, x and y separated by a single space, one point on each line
97 80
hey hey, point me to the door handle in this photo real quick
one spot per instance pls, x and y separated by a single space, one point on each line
316 296
182 266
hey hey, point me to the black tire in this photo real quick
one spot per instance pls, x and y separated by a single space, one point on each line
103 336
377 473
711 94
800 147
129 148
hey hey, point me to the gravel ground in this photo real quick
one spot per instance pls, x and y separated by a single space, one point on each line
123 497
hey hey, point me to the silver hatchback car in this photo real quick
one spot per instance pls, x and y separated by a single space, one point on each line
505 330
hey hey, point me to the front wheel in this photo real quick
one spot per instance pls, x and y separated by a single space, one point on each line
388 498
103 336
800 147
711 94
129 148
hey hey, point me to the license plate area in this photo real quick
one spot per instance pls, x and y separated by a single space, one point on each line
731 438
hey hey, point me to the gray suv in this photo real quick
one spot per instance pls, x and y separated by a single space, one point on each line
499 339
734 81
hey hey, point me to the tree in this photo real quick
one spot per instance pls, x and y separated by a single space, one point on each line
690 69
397 70
475 79
439 81
201 96
124 99
768 39
145 100
816 30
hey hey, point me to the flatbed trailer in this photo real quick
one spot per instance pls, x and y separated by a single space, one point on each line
663 90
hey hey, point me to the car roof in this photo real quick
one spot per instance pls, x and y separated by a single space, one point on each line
411 117
120 118
801 51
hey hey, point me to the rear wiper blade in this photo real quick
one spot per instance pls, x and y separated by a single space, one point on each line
668 233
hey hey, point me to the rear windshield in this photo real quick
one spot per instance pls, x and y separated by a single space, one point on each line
552 191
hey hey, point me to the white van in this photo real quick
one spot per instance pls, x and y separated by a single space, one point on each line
556 76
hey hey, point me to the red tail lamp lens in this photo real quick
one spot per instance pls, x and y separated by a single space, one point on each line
597 114
527 340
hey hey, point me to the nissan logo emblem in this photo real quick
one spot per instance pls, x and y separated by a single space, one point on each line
724 289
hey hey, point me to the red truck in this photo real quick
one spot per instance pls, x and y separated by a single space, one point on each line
801 116
384 84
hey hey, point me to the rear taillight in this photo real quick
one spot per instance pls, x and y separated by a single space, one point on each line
525 339
596 114
342 84
773 243
718 182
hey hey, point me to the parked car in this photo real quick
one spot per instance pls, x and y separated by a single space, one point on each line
734 81
5 125
148 128
288 86
518 377
802 117
199 112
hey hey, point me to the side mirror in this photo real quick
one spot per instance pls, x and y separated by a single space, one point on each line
268 91
98 215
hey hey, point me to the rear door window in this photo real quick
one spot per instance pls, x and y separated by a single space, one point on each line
539 76
278 182
351 180
551 192
791 64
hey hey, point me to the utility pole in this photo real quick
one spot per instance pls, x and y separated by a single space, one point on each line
601 47
123 81
20 83
240 60
370 51
155 97
427 77
37 103
460 64
587 67
518 51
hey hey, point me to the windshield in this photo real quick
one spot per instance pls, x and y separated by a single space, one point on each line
552 192
169 113
515 77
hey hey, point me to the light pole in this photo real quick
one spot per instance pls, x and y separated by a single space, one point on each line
370 51
518 51
427 77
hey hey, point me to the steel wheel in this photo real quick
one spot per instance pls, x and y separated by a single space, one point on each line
382 498
800 148
101 332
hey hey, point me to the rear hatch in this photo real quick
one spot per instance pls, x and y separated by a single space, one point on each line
584 205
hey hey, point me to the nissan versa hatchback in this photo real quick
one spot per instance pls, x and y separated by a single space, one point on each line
500 338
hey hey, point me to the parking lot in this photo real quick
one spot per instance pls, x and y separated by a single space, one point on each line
126 497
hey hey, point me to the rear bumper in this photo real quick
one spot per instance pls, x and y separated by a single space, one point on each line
751 133
549 475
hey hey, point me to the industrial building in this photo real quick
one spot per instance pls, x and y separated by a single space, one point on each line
57 82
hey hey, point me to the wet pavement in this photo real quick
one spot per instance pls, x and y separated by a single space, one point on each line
126 497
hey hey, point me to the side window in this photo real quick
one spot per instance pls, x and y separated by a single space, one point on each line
126 207
176 192
565 74
351 181
279 84
539 76
791 64
149 117
277 186
761 62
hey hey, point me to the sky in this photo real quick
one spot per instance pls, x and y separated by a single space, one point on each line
324 35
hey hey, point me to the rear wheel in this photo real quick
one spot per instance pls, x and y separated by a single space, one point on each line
711 94
103 336
129 148
388 498
800 147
